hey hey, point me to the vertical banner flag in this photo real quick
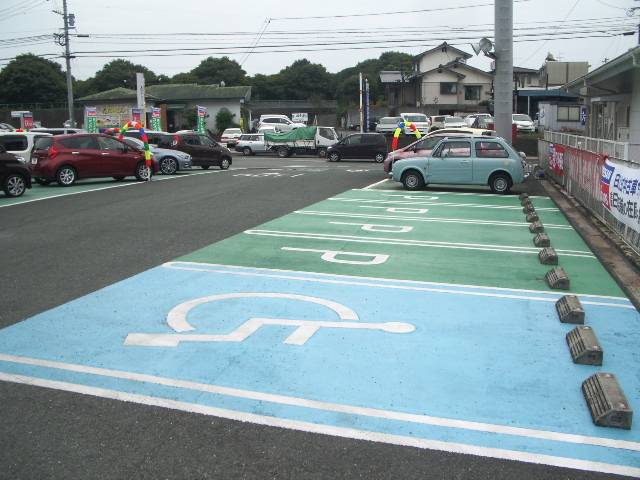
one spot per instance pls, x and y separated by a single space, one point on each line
620 186
136 115
91 119
584 115
556 158
202 112
366 106
155 119
27 120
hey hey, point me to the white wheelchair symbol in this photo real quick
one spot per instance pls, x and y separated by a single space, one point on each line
304 329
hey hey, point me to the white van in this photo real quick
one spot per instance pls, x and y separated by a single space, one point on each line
420 120
20 143
280 123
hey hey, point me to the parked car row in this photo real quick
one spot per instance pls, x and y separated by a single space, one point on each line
66 158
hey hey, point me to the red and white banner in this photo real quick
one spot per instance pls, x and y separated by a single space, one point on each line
556 158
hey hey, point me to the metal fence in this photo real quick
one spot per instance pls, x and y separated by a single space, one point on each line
615 150
580 175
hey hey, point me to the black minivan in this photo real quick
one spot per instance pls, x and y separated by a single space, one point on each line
359 145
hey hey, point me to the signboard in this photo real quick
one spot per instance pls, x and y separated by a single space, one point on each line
91 119
137 115
18 113
556 158
300 117
202 114
620 187
27 120
156 123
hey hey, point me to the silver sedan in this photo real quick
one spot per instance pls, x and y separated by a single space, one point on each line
170 161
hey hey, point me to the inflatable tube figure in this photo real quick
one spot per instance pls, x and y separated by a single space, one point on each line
400 129
143 137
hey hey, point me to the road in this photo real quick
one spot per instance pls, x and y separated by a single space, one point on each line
57 250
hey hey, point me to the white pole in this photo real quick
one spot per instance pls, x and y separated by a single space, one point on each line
503 90
361 111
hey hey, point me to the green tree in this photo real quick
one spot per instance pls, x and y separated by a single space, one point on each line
265 87
302 80
216 70
187 77
31 79
121 73
224 120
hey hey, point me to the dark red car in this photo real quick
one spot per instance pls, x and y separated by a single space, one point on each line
66 158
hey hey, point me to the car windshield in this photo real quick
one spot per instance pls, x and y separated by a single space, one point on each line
390 120
522 118
134 142
42 143
232 130
453 120
416 118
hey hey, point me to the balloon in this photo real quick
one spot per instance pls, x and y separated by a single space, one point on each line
143 137
400 129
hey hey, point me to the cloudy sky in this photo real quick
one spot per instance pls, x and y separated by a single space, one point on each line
182 33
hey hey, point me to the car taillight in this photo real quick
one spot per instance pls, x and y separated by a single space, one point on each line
53 153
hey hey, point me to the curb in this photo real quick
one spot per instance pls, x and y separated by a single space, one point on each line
620 266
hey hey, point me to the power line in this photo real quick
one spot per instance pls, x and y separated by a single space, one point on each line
396 12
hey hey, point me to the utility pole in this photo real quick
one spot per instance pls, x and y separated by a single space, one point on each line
63 40
503 102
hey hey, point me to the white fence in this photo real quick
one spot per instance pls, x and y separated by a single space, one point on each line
615 150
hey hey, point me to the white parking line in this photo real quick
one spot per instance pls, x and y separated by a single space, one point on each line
415 243
429 219
119 185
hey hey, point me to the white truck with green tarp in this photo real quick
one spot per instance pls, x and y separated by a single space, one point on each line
304 140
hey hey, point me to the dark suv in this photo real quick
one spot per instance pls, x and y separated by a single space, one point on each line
204 151
15 177
359 145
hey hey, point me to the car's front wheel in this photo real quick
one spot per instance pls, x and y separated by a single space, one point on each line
66 176
142 172
334 157
322 153
412 180
14 185
283 152
500 183
225 163
379 158
168 165
246 151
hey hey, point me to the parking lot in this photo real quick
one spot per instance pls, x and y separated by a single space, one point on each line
415 319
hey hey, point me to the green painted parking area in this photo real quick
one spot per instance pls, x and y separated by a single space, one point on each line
467 239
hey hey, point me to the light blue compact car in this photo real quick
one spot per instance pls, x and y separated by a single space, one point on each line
170 161
464 161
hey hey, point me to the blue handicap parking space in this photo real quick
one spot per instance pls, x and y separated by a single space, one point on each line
464 369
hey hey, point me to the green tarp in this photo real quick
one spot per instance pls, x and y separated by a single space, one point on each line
303 133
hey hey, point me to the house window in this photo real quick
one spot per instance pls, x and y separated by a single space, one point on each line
448 88
568 114
472 92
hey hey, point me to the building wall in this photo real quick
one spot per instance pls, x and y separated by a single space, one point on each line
561 73
436 58
432 98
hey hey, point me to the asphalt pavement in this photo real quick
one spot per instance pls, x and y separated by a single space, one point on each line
59 249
